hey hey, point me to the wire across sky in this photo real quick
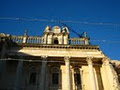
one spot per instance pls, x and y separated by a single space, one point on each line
59 21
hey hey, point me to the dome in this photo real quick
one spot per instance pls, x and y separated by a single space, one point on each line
56 29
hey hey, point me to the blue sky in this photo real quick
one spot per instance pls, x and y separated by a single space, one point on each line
107 12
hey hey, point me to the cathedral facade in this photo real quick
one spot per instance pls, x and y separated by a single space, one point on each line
54 61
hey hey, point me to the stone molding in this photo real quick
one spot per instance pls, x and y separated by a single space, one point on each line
89 47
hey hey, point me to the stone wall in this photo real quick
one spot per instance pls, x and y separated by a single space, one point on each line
116 65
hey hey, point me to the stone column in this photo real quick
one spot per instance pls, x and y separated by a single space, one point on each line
111 75
73 80
42 74
18 75
68 81
91 73
63 72
81 78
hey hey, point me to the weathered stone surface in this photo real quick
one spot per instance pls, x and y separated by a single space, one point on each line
55 62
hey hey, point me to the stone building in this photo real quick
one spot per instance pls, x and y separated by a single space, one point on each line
116 65
54 61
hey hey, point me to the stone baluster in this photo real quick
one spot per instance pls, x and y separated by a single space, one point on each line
91 73
35 40
32 39
71 41
39 41
29 40
78 41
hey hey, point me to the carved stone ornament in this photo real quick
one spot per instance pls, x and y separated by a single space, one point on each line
44 57
67 58
89 60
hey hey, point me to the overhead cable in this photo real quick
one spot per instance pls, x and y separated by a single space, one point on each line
106 41
62 21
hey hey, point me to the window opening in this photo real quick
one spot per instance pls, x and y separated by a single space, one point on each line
55 78
56 41
77 78
33 78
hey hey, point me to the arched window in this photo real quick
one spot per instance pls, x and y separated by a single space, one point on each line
56 41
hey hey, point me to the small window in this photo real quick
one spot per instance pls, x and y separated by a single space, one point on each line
33 78
77 78
56 41
55 78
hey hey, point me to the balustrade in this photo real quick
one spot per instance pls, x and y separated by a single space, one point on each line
76 41
17 39
38 40
35 40
31 39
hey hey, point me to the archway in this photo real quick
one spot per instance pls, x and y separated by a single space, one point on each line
56 41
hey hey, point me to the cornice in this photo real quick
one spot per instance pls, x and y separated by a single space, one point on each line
94 47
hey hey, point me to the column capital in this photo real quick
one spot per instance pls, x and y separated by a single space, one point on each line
89 59
67 58
105 61
44 57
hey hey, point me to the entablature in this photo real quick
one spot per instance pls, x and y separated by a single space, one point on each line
96 47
